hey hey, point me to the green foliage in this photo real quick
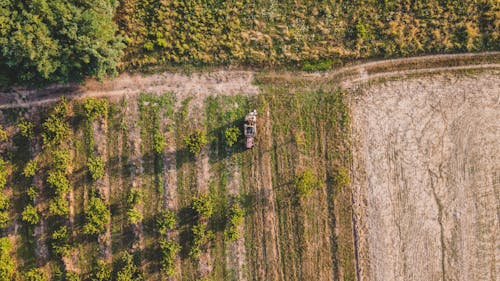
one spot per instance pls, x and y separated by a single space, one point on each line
58 41
60 160
134 216
201 237
4 218
128 270
58 181
166 221
58 206
4 213
30 215
233 220
59 241
168 251
135 197
196 141
96 167
26 128
101 271
232 134
342 178
95 108
321 65
56 128
150 107
35 274
7 266
4 172
73 276
96 215
31 192
3 134
203 206
30 168
305 183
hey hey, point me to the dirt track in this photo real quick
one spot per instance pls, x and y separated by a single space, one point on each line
426 178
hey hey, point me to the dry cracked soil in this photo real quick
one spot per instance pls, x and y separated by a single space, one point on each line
426 178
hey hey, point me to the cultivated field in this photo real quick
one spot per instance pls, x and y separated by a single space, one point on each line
426 177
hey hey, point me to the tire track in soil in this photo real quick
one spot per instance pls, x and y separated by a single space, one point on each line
268 255
203 177
236 255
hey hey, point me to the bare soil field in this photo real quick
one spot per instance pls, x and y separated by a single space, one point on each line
426 178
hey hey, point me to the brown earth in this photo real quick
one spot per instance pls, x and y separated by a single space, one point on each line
426 178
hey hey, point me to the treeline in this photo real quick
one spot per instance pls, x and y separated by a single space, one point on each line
43 41
62 41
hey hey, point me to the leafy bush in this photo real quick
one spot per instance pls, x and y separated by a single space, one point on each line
26 128
100 271
58 206
31 192
134 216
3 134
313 66
58 181
96 216
168 251
4 213
233 220
30 168
196 141
128 270
203 206
30 215
165 221
60 160
35 274
73 276
134 198
232 134
201 237
59 241
342 178
95 108
4 218
96 167
56 128
305 183
4 172
7 266
159 141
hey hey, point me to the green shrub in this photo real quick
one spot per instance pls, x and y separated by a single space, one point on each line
232 134
168 251
233 220
134 197
59 241
4 172
321 65
100 271
7 266
203 206
128 270
4 213
342 178
73 276
31 193
60 160
35 274
196 141
30 168
96 167
134 216
26 128
201 237
96 216
95 108
165 221
4 202
58 181
305 183
58 206
3 134
4 219
55 130
30 215
158 141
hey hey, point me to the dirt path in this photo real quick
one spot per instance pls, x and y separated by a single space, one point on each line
202 85
426 178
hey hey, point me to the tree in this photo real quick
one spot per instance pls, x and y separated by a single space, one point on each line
96 215
58 41
6 262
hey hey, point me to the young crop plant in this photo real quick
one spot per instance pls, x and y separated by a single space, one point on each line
30 215
95 109
128 270
30 168
7 265
59 241
168 252
305 183
196 141
97 215
35 274
56 128
101 271
134 198
166 221
58 206
232 134
4 172
203 206
73 276
26 128
4 210
233 220
96 167
3 134
201 237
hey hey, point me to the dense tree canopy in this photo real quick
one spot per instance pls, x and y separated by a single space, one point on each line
57 40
